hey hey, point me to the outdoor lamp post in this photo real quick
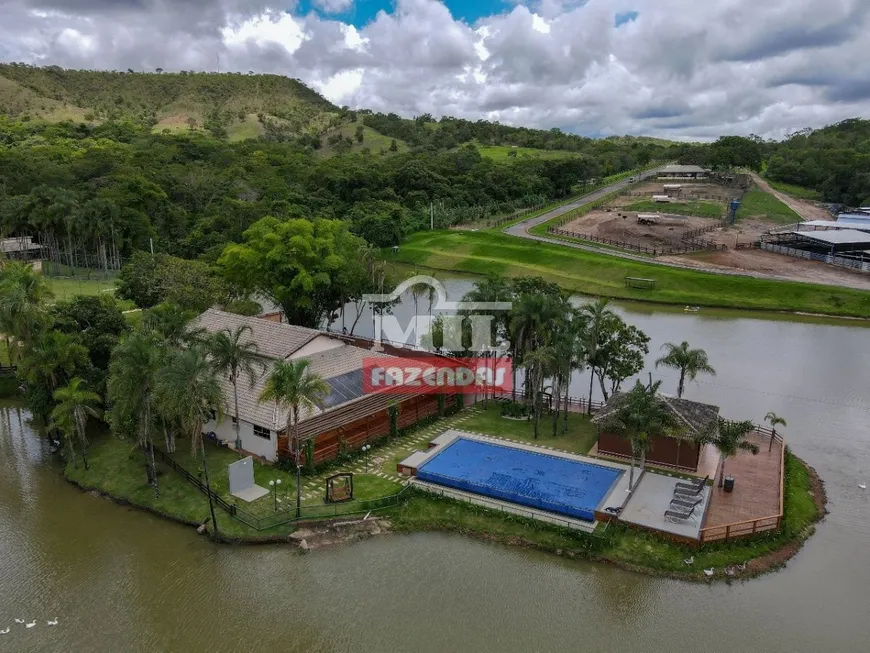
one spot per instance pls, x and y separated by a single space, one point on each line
365 450
275 485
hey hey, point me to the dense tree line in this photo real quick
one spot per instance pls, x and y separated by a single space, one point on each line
95 194
835 161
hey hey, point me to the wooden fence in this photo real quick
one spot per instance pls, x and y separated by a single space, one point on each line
680 196
693 244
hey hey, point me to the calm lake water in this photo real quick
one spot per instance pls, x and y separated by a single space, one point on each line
121 580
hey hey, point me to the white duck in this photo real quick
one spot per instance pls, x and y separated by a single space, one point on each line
689 561
19 621
30 625
863 486
51 623
709 572
5 632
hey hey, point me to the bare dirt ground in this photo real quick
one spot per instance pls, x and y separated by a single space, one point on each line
804 208
691 190
616 225
778 265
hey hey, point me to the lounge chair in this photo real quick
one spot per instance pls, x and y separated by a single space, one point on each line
684 501
695 486
685 493
682 513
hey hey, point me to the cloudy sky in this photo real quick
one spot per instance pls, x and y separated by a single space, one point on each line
688 69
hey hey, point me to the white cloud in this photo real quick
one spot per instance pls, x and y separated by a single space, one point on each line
682 69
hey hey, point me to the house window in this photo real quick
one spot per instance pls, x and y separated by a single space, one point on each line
261 432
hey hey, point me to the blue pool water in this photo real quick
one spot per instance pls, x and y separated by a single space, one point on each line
538 480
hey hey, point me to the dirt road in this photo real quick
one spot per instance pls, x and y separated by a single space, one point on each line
807 210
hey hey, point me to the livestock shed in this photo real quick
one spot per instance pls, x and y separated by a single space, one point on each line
683 172
827 241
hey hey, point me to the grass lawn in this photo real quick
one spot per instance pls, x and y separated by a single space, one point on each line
580 437
590 273
117 467
758 204
64 288
247 129
702 209
796 191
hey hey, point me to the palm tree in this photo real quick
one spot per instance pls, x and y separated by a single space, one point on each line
233 354
596 316
22 294
189 391
294 387
534 319
418 291
539 362
729 438
172 323
639 417
774 420
690 362
131 389
70 415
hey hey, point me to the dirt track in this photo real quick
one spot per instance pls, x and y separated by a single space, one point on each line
807 210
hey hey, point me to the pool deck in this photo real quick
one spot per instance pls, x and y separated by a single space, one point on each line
652 497
616 498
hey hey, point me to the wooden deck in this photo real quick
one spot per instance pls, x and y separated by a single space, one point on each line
755 504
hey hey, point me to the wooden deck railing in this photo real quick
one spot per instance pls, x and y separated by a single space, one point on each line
753 526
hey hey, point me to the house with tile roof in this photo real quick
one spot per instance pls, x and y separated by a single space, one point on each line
349 417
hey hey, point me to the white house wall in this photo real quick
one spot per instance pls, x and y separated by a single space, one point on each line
319 344
226 431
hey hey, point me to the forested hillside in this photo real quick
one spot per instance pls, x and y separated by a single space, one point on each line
835 161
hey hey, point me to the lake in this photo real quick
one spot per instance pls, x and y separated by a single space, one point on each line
118 579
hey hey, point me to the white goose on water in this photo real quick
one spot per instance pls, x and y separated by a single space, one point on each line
30 625
19 621
51 623
5 632
863 486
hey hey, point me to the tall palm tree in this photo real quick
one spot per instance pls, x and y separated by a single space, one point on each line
596 316
534 320
729 438
774 420
294 387
540 362
131 391
74 406
640 416
690 362
189 391
22 294
172 323
418 291
233 354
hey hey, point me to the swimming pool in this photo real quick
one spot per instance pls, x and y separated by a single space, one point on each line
538 480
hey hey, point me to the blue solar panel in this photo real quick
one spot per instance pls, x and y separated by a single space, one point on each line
538 480
344 388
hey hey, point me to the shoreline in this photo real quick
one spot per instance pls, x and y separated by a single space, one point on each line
387 521
770 312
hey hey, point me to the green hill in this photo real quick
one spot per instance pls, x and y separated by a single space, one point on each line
227 103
